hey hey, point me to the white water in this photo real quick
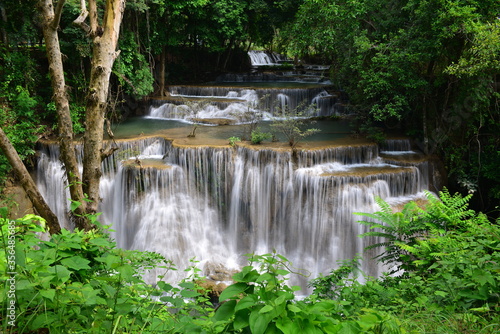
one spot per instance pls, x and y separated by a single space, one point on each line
235 103
217 204
259 58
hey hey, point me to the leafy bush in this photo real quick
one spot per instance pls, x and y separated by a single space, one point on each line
20 121
446 260
233 140
76 281
80 282
77 116
258 136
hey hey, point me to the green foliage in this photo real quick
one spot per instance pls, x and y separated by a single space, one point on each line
292 125
400 231
77 116
449 253
260 302
76 281
330 286
132 68
448 260
20 122
233 140
257 136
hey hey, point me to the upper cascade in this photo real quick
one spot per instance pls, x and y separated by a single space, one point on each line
188 103
243 97
265 58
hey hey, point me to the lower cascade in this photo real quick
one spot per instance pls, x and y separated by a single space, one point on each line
215 204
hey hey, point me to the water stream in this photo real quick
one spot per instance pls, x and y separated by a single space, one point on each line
206 200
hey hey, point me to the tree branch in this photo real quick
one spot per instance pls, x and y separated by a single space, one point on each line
28 184
93 16
57 15
109 151
80 20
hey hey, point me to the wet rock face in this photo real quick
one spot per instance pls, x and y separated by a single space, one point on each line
217 278
217 272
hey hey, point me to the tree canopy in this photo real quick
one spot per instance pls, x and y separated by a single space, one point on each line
429 66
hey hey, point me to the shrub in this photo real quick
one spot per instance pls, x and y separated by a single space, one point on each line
258 136
233 140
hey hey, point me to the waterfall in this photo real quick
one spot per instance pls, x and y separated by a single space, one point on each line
217 203
52 182
259 58
189 102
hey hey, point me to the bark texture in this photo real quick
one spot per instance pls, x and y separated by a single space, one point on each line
84 189
105 42
51 19
28 184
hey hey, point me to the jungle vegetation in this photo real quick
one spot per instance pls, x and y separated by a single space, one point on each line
446 259
427 68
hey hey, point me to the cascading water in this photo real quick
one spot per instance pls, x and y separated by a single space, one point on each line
216 204
197 102
259 58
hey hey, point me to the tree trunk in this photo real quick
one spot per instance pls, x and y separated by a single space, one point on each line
65 125
29 185
163 65
5 36
105 41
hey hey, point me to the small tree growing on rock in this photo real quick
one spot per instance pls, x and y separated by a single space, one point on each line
293 125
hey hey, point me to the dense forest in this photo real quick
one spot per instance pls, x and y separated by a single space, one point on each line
426 69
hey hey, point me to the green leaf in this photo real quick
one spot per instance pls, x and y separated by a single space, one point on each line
283 297
126 271
61 272
483 277
241 319
74 205
102 242
48 293
233 290
294 308
286 325
440 293
165 286
225 311
282 272
348 327
258 322
265 277
189 293
76 263
111 261
266 308
246 302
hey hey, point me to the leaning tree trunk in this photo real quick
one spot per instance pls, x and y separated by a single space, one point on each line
105 41
51 18
29 185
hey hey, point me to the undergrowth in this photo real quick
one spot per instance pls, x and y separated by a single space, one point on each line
447 281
